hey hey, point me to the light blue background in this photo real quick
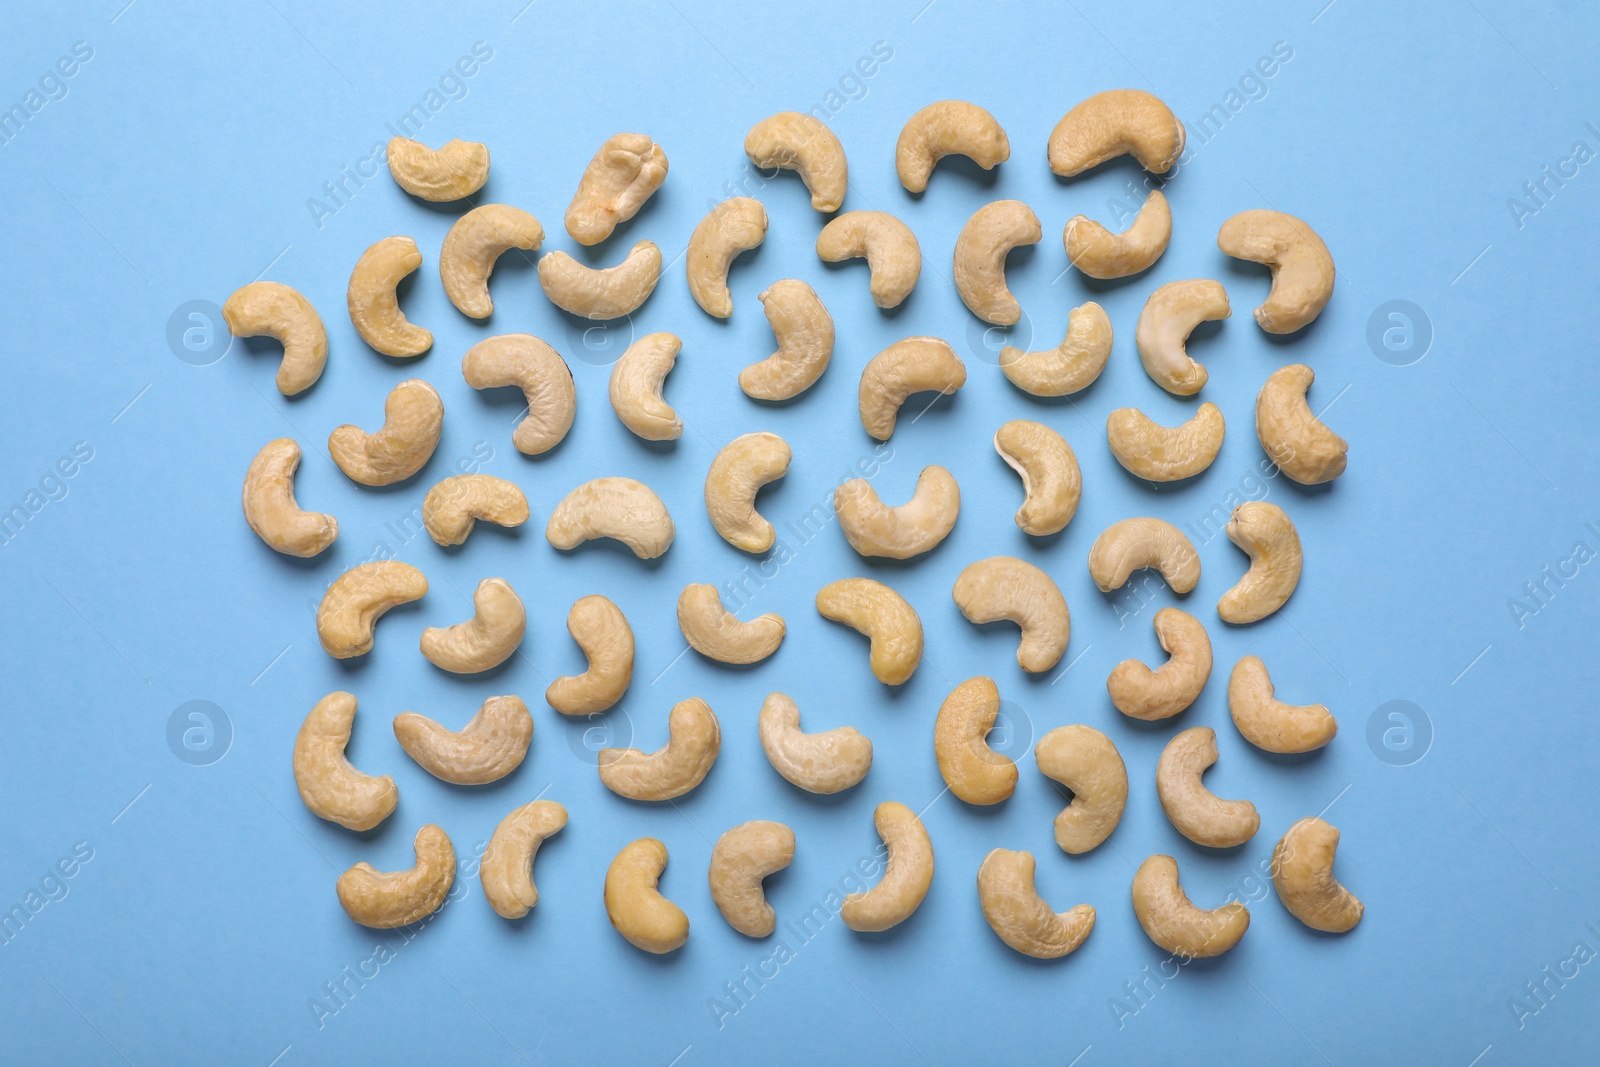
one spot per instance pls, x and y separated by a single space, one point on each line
179 165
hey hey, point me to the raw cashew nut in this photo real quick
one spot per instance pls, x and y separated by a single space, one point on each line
1169 316
792 140
947 128
980 258
524 361
911 365
1199 814
1302 869
1293 438
474 244
732 227
738 472
270 508
413 418
917 526
1159 453
351 606
1175 924
506 869
374 309
1133 544
717 633
636 383
1267 722
1087 762
331 788
485 750
891 624
1141 693
974 772
623 174
272 309
829 761
1051 480
1099 253
804 331
1302 268
453 506
601 294
1114 123
1018 914
619 508
648 920
1005 587
1273 544
693 741
385 900
893 255
456 169
1071 366
740 860
906 877
484 641
605 637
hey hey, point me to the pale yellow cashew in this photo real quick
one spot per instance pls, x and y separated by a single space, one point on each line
1133 544
270 507
506 869
374 309
353 603
737 474
634 904
804 332
1099 253
693 741
917 526
413 418
826 762
636 384
1141 693
1051 480
911 365
1199 814
473 246
601 294
454 170
1269 538
1159 453
385 900
1071 366
741 859
947 128
1174 923
1302 870
732 227
619 508
623 174
793 140
331 788
1005 587
890 624
484 641
1168 317
1114 123
453 506
492 745
1087 762
1017 913
906 877
1292 437
974 772
980 258
523 361
893 255
1302 268
603 633
1267 722
717 633
272 309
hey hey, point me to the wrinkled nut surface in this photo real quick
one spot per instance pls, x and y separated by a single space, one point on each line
947 128
270 507
1199 814
1292 437
1267 722
1114 123
889 623
1099 253
1017 913
911 365
619 508
1267 536
1159 453
637 379
487 749
648 920
1087 762
1134 544
693 741
603 633
623 174
1175 924
523 361
453 170
974 772
826 762
506 869
906 878
1302 268
804 332
1141 693
740 860
474 244
917 526
891 250
1302 870
717 633
484 641
793 140
1169 316
601 294
733 226
1005 587
737 474
374 309
331 788
413 419
351 606
453 506
272 309
980 258
1051 480
385 900
1071 366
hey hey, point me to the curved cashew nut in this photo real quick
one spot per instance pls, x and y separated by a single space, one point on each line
873 609
1133 544
374 308
980 258
524 361
351 606
413 418
623 174
331 788
485 750
793 140
648 920
1296 440
906 877
601 294
717 633
1099 253
484 641
732 227
454 505
605 637
947 128
474 244
636 383
738 472
1051 480
506 869
1302 268
974 772
619 508
693 741
740 860
911 365
826 762
1199 814
1017 913
1168 317
1159 453
1005 587
1071 366
1302 869
272 309
893 255
1087 762
1174 923
917 526
1141 693
454 170
1273 544
804 331
385 900
1113 123
1267 722
270 508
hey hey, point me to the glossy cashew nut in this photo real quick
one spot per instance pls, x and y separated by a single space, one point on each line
893 255
374 309
492 745
331 788
1071 366
1005 587
634 904
906 878
793 140
740 860
603 634
272 309
1199 814
693 741
523 361
717 633
1159 453
353 603
974 772
1267 722
891 624
1169 316
619 508
1302 268
1087 762
385 900
1174 923
1141 693
804 332
1099 253
1273 545
732 227
1051 480
637 379
484 641
473 246
1133 544
1114 123
623 174
1302 870
947 128
601 294
917 526
270 507
453 506
1292 437
506 869
980 258
454 170
912 365
737 474
828 761
413 418
1015 911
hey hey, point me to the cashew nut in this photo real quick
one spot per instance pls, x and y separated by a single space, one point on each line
636 383
1005 587
1087 762
1302 268
485 750
917 526
484 641
793 140
1174 923
804 331
829 761
1071 366
1099 253
272 309
506 869
693 741
1018 914
619 508
873 609
1051 480
1133 544
974 772
453 506
733 226
623 174
605 637
1293 438
474 244
980 258
1267 722
456 169
524 361
911 365
1113 123
648 920
1302 869
1168 317
1273 544
1141 693
740 860
601 294
331 788
270 508
1199 814
351 606
893 255
385 900
738 472
375 310
413 418
717 633
947 128
1159 453
906 877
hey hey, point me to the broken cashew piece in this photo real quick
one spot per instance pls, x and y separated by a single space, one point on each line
1168 317
453 506
1297 441
270 507
917 526
893 255
1141 693
737 474
353 603
476 241
1051 480
454 170
1005 587
732 227
793 140
413 418
974 772
1071 366
484 641
331 788
623 174
693 741
906 877
826 762
636 383
1302 268
1267 535
506 869
1133 544
385 900
1199 814
1159 453
1017 913
1114 123
1302 870
947 128
741 859
487 749
374 308
272 309
980 258
523 361
634 904
717 633
1267 722
1174 923
911 365
1099 253
804 331
601 294
603 633
1087 762
619 508
892 626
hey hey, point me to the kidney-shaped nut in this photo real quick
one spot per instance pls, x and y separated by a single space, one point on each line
974 772
893 255
523 361
1099 253
1005 587
1267 535
716 633
454 170
270 507
1199 814
484 641
413 418
331 788
1114 123
738 472
1293 438
740 860
1071 366
793 140
947 128
1302 870
980 258
804 332
506 869
889 623
1134 544
1051 480
385 900
1141 693
623 174
603 633
474 244
1302 268
1168 317
733 226
910 365
637 379
354 601
1017 913
487 749
1159 453
453 506
374 309
601 294
917 526
1267 722
1174 923
272 309
619 508
906 877
1087 762
693 741
825 762
648 920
